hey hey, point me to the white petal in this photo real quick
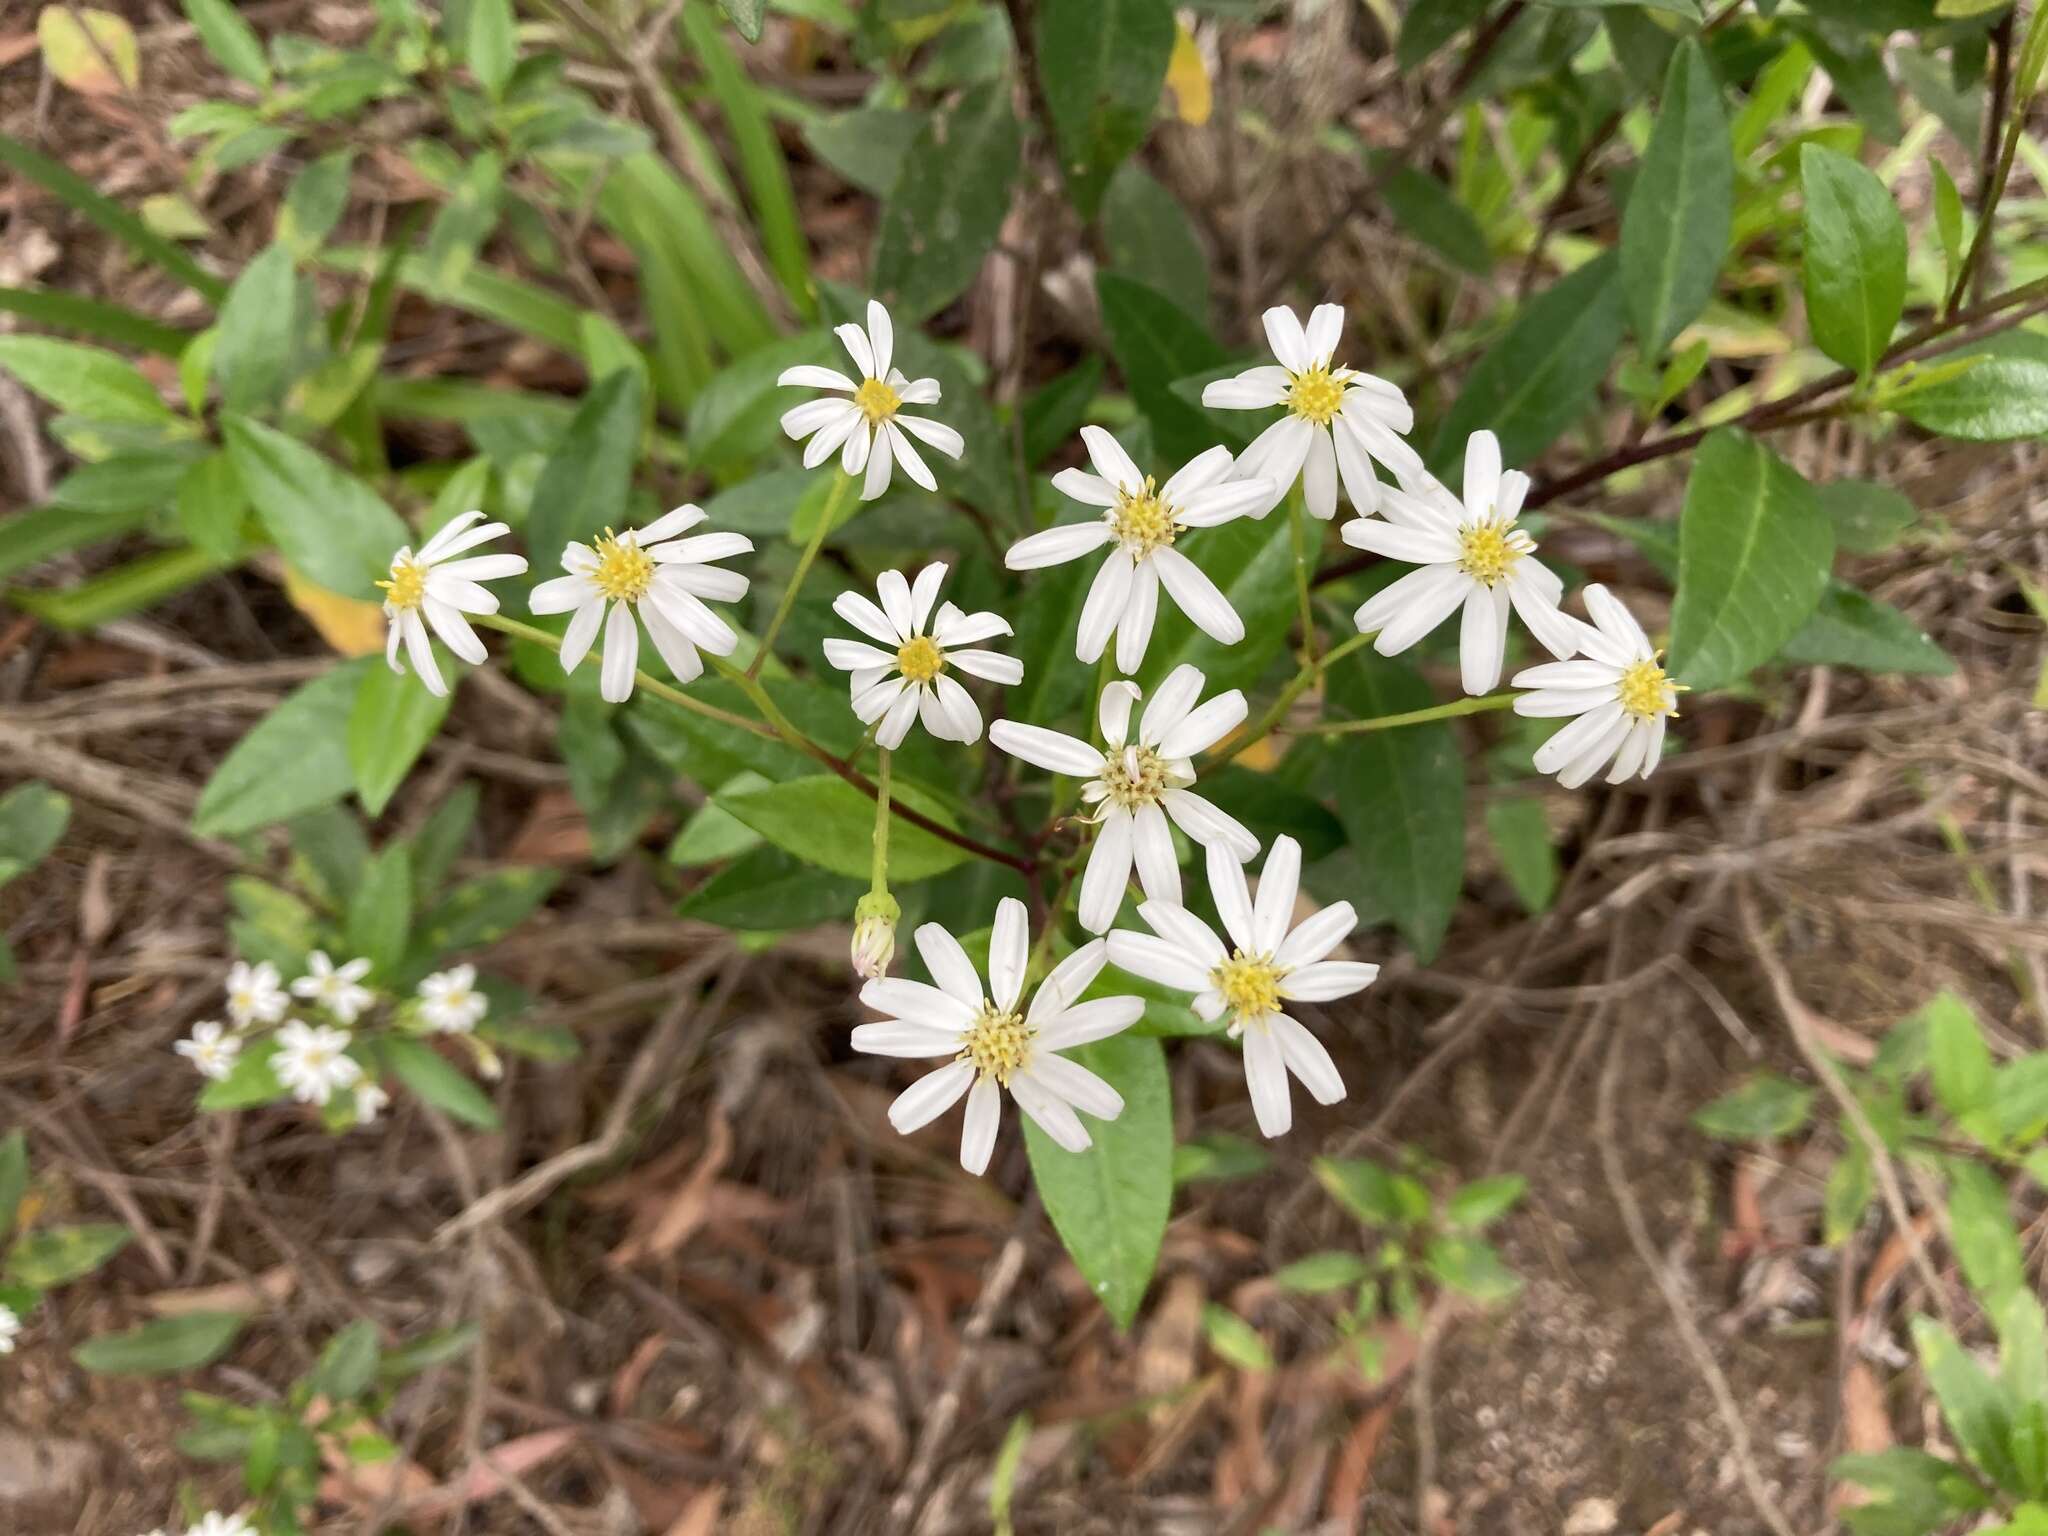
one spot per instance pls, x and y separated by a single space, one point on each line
1083 1023
437 547
993 665
1073 1082
1107 874
915 391
914 466
852 655
881 459
1354 467
1052 1114
855 340
701 548
1113 712
831 437
1284 335
1089 490
1169 705
1110 460
454 631
930 1096
559 594
1104 608
933 434
1181 928
1279 881
1246 392
1576 737
1413 606
1319 475
581 632
1379 437
1210 826
1207 468
1198 597
853 454
480 568
913 1042
672 522
1056 546
1482 474
1265 1074
800 421
978 1130
1141 609
1054 751
1310 1062
811 376
864 616
1587 761
949 965
924 592
1009 953
882 338
1206 726
1316 937
1327 979
1157 960
896 722
621 655
957 628
1325 330
1483 638
1615 621
1555 630
963 719
896 603
1152 849
1418 546
1215 505
915 1002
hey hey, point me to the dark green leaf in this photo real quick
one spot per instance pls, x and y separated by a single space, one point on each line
123 590
1689 10
1054 412
484 910
1999 399
1221 1156
253 355
1110 1203
1676 227
1850 629
745 16
1150 238
163 1347
1911 1492
582 491
1754 549
1154 343
438 1082
1766 1106
948 203
13 1179
1403 802
866 145
295 759
772 891
1535 380
128 482
380 913
826 820
392 720
231 40
1426 28
1855 258
1856 65
330 527
314 205
1429 211
33 817
1101 64
348 1365
1868 517
95 319
212 506
1521 837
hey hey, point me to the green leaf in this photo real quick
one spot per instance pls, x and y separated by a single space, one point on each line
582 490
1426 28
163 1347
380 913
1101 65
1535 380
1470 1266
393 718
1960 1063
73 190
314 205
1868 517
1235 1340
768 890
1765 1106
1978 1415
1999 399
1110 1203
1054 412
13 1179
127 482
1856 67
294 760
1948 221
33 817
212 506
491 47
437 1081
1688 9
2020 1098
348 1365
1521 836
1980 1226
251 1081
253 355
1431 212
1149 237
1911 1492
866 145
1855 258
1154 343
94 318
1851 1183
28 538
329 855
825 820
1754 548
1372 1194
329 526
948 203
54 1256
1221 1156
84 381
1320 1273
745 15
436 1348
1484 1201
231 40
484 910
1850 629
123 590
463 224
1404 801
1676 228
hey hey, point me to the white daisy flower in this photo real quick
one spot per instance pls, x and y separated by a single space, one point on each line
312 1061
214 1524
429 588
371 1101
450 1002
1338 419
1266 965
1618 692
10 1320
906 678
255 993
1470 554
666 579
868 430
211 1049
1141 520
335 988
994 1041
1138 786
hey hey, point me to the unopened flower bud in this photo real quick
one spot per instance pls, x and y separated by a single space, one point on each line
874 934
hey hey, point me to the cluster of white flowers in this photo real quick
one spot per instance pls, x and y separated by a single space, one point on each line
314 1061
10 1328
213 1523
1470 555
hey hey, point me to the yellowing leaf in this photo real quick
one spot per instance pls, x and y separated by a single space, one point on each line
172 215
1188 78
96 58
352 626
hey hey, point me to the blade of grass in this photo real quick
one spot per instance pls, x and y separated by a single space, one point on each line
120 591
487 294
94 319
31 537
69 188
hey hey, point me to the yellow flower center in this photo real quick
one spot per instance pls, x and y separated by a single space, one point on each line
999 1044
1644 691
1250 984
1489 551
1143 521
407 587
624 570
877 401
1315 396
920 659
1136 776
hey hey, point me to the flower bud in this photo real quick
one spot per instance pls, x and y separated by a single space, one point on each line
874 934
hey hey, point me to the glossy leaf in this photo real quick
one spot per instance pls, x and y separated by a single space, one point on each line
826 820
327 524
1754 549
1855 259
1675 230
1110 1203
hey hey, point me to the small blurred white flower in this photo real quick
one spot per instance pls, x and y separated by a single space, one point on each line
1138 786
995 1043
1616 689
907 679
429 588
371 1101
665 579
211 1049
312 1061
255 993
1469 554
10 1329
1269 965
214 1524
450 1001
869 430
335 988
1141 520
1338 420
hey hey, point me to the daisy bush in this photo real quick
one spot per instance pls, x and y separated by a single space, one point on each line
1110 689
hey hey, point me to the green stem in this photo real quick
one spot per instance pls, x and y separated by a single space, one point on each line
840 484
1277 711
1479 706
1305 554
878 878
653 685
